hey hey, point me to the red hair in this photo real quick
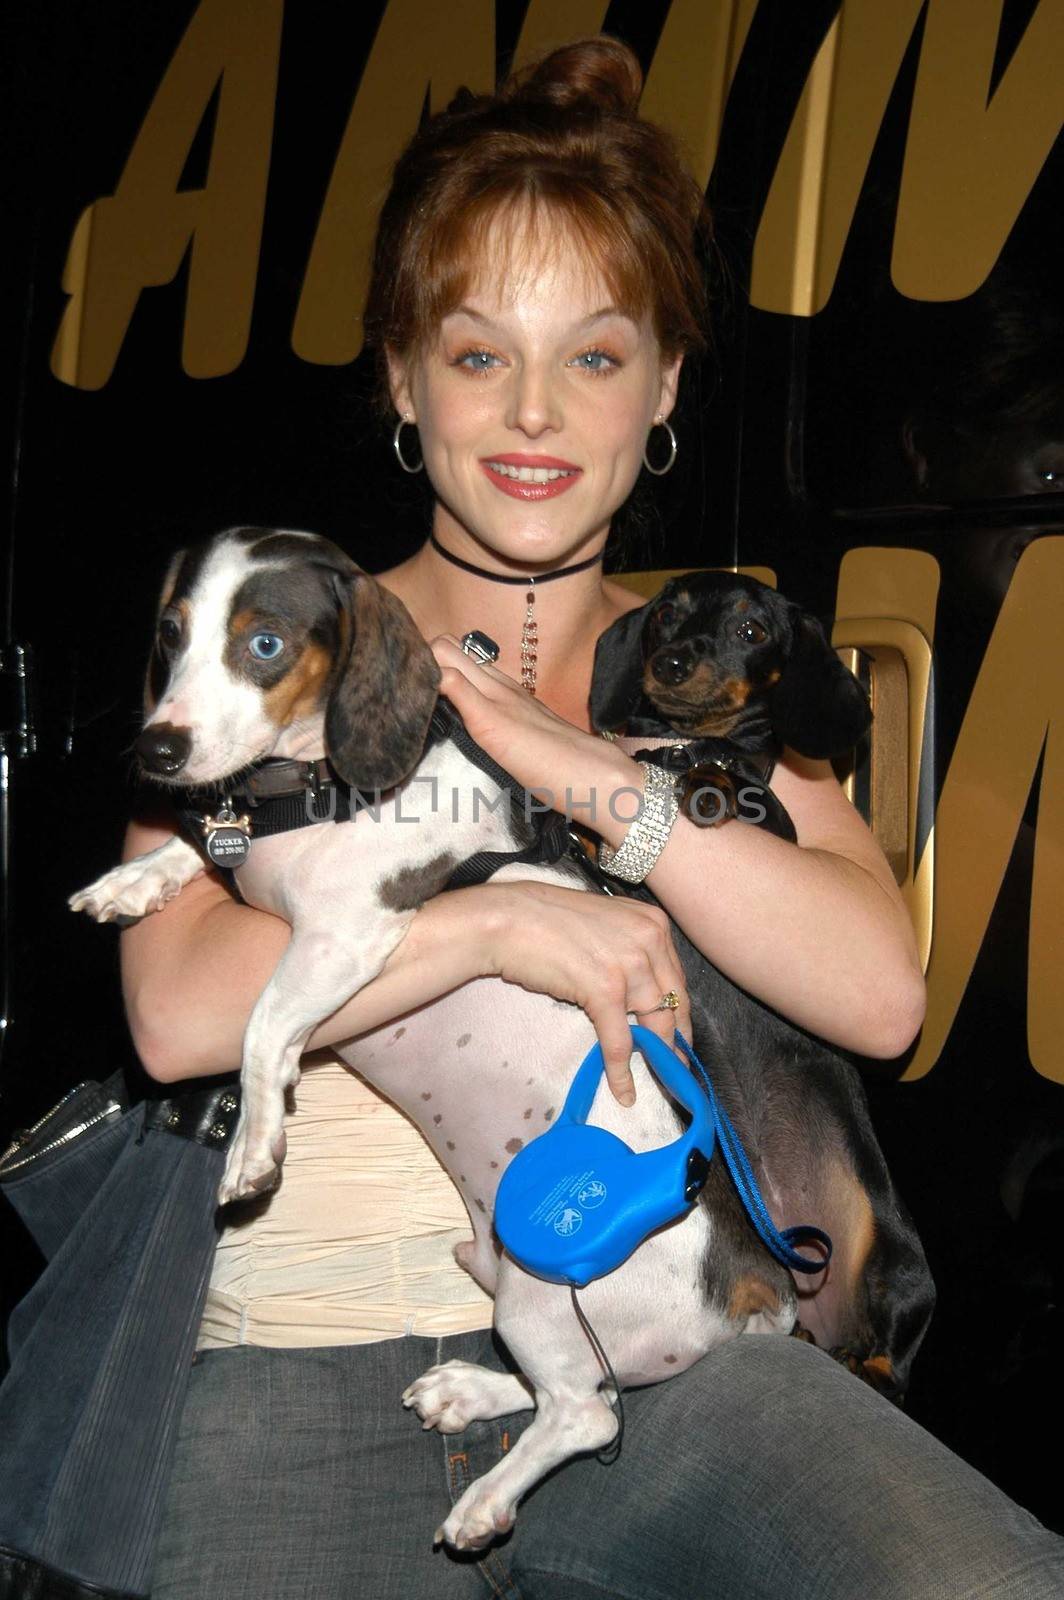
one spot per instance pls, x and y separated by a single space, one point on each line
562 144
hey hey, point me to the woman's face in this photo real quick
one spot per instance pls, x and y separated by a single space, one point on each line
533 405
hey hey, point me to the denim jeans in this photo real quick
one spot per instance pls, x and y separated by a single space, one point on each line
764 1471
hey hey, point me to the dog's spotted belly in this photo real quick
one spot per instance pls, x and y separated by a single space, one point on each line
481 1090
480 1079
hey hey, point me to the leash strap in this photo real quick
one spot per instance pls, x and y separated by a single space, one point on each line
550 844
780 1244
552 839
685 754
284 795
445 723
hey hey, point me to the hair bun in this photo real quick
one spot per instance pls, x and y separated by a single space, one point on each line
598 74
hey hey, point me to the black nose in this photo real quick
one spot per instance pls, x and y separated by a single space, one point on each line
164 749
672 666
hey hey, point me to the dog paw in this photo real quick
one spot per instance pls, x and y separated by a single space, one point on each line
253 1167
451 1396
127 891
480 1516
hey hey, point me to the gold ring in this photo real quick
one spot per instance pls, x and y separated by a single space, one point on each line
668 1002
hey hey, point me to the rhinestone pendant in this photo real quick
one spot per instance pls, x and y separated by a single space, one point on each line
529 640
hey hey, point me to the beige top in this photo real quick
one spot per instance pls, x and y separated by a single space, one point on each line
357 1242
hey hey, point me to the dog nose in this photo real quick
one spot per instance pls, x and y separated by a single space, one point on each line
672 666
164 749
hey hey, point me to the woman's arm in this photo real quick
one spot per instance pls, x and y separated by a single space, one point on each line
192 972
817 930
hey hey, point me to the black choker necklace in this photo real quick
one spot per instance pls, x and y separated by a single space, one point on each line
529 631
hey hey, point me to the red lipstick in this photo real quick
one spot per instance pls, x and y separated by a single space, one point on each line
525 490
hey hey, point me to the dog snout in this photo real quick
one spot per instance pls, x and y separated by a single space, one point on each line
672 665
164 749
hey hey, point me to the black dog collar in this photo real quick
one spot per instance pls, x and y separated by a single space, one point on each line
682 757
278 796
274 797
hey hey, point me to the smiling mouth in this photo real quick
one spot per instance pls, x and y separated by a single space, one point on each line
529 474
536 481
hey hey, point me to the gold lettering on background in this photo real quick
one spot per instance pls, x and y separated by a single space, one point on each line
812 199
1016 709
416 47
969 164
896 583
692 71
1045 938
552 22
138 237
971 160
885 604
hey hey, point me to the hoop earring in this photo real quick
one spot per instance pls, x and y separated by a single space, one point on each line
399 426
659 472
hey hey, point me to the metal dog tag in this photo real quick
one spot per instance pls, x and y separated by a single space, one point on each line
227 838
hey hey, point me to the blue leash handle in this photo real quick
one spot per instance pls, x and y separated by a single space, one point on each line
781 1244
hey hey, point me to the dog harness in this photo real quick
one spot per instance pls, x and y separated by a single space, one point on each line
279 796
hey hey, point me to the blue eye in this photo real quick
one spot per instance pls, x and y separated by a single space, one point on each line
595 361
266 646
478 360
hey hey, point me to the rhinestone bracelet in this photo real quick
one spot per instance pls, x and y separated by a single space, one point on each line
648 833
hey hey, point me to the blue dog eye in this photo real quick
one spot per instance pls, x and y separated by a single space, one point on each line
265 646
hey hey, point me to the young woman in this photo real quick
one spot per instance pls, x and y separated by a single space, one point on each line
535 293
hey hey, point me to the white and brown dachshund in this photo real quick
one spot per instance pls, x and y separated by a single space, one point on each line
273 645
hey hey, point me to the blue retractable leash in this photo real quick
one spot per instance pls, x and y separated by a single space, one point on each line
575 1203
781 1244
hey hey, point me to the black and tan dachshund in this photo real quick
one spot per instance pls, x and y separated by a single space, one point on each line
736 671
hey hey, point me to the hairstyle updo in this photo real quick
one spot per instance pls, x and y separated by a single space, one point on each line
560 142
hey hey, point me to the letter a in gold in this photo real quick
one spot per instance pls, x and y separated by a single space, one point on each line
138 237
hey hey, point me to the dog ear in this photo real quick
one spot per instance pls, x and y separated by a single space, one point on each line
617 678
158 674
817 707
385 688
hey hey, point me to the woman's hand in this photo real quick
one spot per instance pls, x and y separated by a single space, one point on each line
609 955
193 971
816 930
582 776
